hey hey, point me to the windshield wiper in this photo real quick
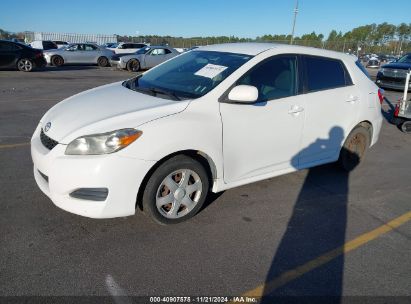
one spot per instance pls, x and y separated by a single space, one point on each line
164 92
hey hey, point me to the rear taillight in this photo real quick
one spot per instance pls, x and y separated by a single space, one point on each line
397 110
380 96
39 55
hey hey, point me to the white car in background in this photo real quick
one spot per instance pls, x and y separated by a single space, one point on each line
127 47
79 53
211 119
43 45
146 58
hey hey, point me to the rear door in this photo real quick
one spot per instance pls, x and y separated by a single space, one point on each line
332 108
91 53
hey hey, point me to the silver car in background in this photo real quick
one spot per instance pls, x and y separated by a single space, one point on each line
143 59
79 53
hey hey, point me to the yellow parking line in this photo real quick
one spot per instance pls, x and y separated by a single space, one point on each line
297 272
13 145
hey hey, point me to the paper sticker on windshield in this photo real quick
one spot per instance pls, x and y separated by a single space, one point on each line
210 70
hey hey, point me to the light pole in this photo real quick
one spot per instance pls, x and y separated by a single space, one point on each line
295 19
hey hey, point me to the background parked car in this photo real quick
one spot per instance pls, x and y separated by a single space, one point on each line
60 43
16 55
110 45
393 75
373 63
127 47
43 45
79 53
145 58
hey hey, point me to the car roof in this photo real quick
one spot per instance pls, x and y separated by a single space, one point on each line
255 48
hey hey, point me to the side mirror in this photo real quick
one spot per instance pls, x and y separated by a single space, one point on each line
243 94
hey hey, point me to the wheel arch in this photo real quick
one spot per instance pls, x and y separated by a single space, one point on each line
368 125
200 156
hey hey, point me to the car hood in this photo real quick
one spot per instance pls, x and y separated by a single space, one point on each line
105 109
397 65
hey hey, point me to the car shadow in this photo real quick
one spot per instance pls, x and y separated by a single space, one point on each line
389 113
67 68
316 226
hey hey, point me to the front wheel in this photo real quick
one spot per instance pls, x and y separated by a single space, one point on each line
176 190
354 149
25 65
133 65
57 61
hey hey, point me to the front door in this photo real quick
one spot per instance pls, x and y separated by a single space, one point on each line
263 138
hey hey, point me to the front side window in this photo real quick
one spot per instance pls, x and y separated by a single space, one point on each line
156 52
324 73
190 75
274 78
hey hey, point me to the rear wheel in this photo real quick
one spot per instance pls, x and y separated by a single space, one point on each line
176 190
57 61
25 65
102 61
355 148
133 65
406 127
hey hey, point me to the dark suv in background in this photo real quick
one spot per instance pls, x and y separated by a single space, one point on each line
17 55
392 75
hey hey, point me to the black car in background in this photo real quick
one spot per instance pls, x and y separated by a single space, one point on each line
14 55
392 75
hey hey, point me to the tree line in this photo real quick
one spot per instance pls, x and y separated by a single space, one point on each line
377 38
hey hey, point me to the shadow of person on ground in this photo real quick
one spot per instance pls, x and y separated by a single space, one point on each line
316 226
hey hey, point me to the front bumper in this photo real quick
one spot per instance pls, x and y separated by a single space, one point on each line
391 82
58 175
117 64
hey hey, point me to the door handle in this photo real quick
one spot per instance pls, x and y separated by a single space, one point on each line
352 98
295 110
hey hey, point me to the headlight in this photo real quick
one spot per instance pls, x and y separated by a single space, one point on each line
381 70
103 143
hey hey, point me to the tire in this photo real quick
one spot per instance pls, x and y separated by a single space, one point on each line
406 127
25 65
133 65
355 148
175 191
102 61
57 61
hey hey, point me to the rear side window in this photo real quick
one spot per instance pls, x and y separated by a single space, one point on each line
325 73
362 68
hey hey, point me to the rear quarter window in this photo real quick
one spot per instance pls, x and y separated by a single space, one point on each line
325 73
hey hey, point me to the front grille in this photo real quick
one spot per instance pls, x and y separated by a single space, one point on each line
395 73
47 141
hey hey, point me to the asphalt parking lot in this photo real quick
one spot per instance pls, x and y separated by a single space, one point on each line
318 232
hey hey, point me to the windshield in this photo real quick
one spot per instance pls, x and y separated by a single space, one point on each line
190 75
405 59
